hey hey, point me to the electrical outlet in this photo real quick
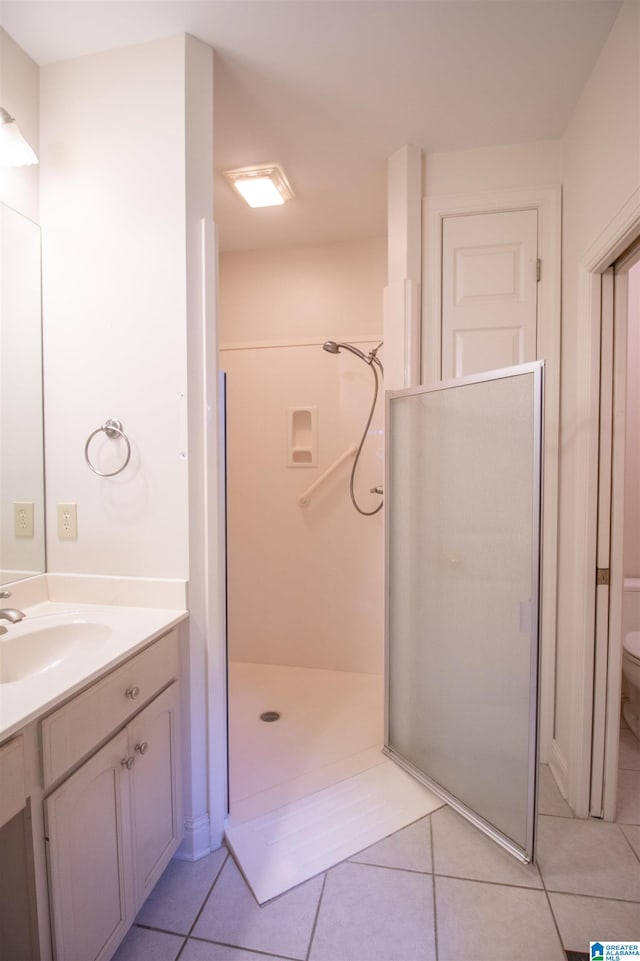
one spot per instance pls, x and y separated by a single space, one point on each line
67 521
23 519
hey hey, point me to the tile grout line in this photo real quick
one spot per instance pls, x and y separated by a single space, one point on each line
499 884
593 897
629 844
204 901
385 867
234 947
553 917
315 920
433 891
526 887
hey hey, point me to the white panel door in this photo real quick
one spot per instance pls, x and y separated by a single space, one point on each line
489 291
88 830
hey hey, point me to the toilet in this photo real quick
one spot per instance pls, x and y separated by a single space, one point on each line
631 653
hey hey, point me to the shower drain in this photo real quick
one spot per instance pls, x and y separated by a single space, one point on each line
270 716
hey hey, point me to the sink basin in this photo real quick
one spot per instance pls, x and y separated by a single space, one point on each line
47 646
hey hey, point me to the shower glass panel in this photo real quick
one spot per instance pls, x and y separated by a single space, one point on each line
463 521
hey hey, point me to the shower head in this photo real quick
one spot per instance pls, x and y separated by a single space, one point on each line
371 358
333 348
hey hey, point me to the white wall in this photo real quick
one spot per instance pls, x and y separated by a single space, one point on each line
114 279
601 175
632 446
305 584
303 292
124 319
493 168
19 94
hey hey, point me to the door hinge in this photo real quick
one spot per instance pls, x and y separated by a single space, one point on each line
602 576
538 269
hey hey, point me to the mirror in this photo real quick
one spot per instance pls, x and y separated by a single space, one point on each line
22 537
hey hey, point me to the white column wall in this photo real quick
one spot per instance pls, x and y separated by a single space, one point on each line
113 220
206 726
402 293
601 176
127 160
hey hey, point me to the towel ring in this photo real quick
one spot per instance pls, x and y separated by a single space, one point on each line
112 428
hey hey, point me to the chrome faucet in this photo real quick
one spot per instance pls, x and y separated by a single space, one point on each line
12 614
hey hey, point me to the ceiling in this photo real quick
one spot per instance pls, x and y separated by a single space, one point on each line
331 88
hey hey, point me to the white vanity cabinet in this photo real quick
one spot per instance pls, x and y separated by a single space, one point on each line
114 822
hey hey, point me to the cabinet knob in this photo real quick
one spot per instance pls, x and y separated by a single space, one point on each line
128 762
142 748
132 692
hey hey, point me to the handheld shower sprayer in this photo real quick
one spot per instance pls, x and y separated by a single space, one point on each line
333 347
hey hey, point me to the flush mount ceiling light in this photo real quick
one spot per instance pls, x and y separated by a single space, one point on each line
261 186
14 149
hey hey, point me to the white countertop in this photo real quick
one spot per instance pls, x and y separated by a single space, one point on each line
131 628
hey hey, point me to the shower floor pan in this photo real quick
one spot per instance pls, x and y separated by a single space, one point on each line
311 788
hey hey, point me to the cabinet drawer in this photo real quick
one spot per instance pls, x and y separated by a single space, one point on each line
75 729
12 795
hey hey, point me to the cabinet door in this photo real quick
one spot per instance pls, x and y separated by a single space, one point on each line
155 795
89 839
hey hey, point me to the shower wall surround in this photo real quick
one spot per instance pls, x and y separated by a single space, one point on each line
313 575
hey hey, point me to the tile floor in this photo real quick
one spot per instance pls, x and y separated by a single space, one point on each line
437 889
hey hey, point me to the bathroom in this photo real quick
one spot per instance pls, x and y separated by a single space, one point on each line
116 349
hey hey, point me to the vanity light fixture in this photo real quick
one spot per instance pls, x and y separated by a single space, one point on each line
264 186
14 149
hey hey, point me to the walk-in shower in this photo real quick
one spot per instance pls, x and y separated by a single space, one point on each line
373 361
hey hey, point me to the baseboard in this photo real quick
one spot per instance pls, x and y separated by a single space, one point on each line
196 842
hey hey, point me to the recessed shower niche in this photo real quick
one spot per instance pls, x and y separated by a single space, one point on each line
302 436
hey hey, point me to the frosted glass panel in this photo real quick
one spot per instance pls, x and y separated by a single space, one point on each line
463 525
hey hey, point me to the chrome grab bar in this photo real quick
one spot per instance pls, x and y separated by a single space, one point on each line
305 497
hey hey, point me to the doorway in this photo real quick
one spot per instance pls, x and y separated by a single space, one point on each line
617 559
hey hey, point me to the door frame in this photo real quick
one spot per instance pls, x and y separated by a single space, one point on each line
610 548
620 234
547 201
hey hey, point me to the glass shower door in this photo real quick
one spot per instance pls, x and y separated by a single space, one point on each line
463 559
